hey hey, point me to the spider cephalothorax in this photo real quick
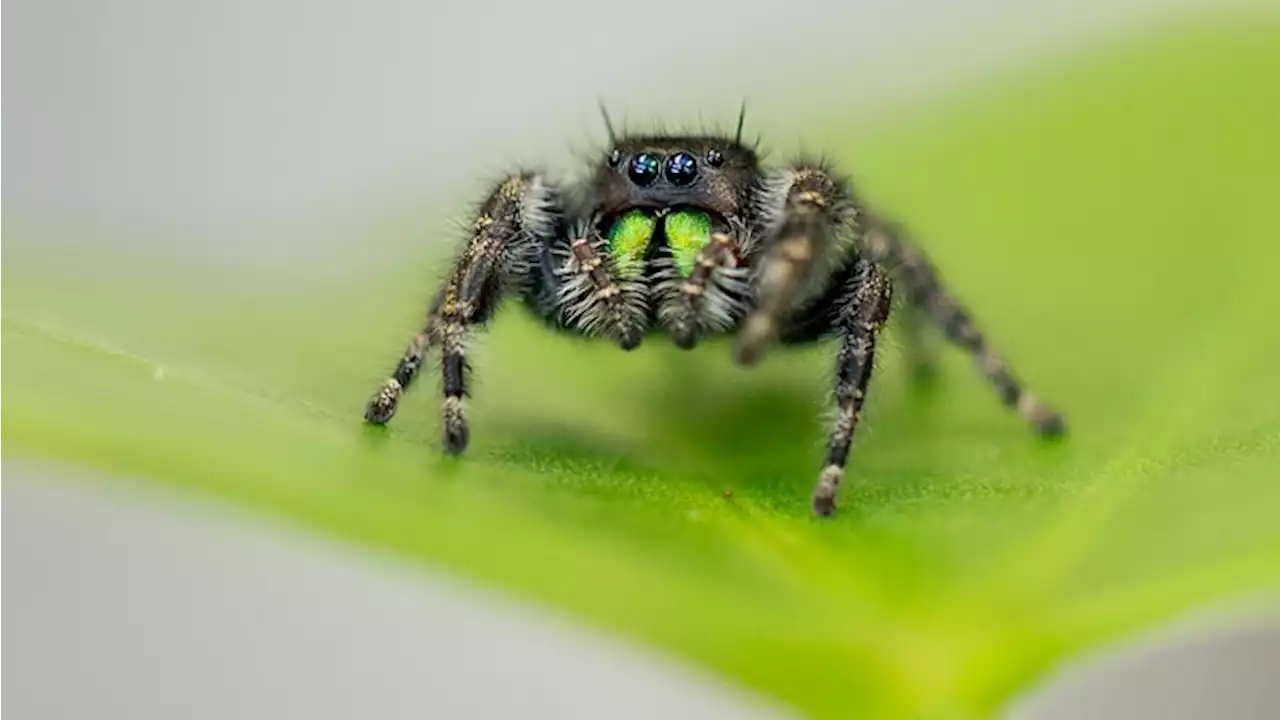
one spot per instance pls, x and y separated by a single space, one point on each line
691 237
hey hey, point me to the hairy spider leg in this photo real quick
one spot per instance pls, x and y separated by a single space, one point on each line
801 211
382 406
918 350
924 288
861 316
520 216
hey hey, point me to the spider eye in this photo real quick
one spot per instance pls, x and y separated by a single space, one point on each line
682 169
715 158
644 169
615 157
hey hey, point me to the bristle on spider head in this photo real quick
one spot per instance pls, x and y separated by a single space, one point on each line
742 119
608 124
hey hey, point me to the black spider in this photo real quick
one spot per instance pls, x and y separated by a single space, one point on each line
690 236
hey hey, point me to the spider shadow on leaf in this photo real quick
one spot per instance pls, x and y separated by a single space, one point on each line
693 422
762 434
686 416
700 420
734 422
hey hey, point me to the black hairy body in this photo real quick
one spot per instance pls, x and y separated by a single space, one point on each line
691 237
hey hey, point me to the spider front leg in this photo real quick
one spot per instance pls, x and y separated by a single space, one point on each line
917 348
803 212
520 216
860 320
382 406
926 293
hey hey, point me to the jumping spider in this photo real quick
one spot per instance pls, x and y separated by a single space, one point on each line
692 237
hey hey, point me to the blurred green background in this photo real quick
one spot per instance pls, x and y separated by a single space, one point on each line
1111 222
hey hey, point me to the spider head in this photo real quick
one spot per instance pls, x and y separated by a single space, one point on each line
711 174
672 192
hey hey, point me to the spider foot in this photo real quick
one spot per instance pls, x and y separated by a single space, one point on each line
456 433
1045 421
755 337
824 496
382 406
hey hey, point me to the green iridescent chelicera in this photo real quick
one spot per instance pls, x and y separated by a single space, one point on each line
629 239
688 232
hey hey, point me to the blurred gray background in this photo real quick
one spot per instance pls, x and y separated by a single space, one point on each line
252 131
210 125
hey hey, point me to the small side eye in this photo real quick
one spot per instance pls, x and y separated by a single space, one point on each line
715 158
615 157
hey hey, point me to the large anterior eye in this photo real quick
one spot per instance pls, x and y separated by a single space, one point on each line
629 240
688 232
681 169
644 168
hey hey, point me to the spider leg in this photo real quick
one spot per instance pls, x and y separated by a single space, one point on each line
519 216
918 349
859 319
926 292
803 210
382 406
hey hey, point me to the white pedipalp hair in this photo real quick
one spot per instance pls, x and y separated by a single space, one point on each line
580 302
769 201
717 309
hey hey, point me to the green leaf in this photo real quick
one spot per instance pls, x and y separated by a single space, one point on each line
1112 225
